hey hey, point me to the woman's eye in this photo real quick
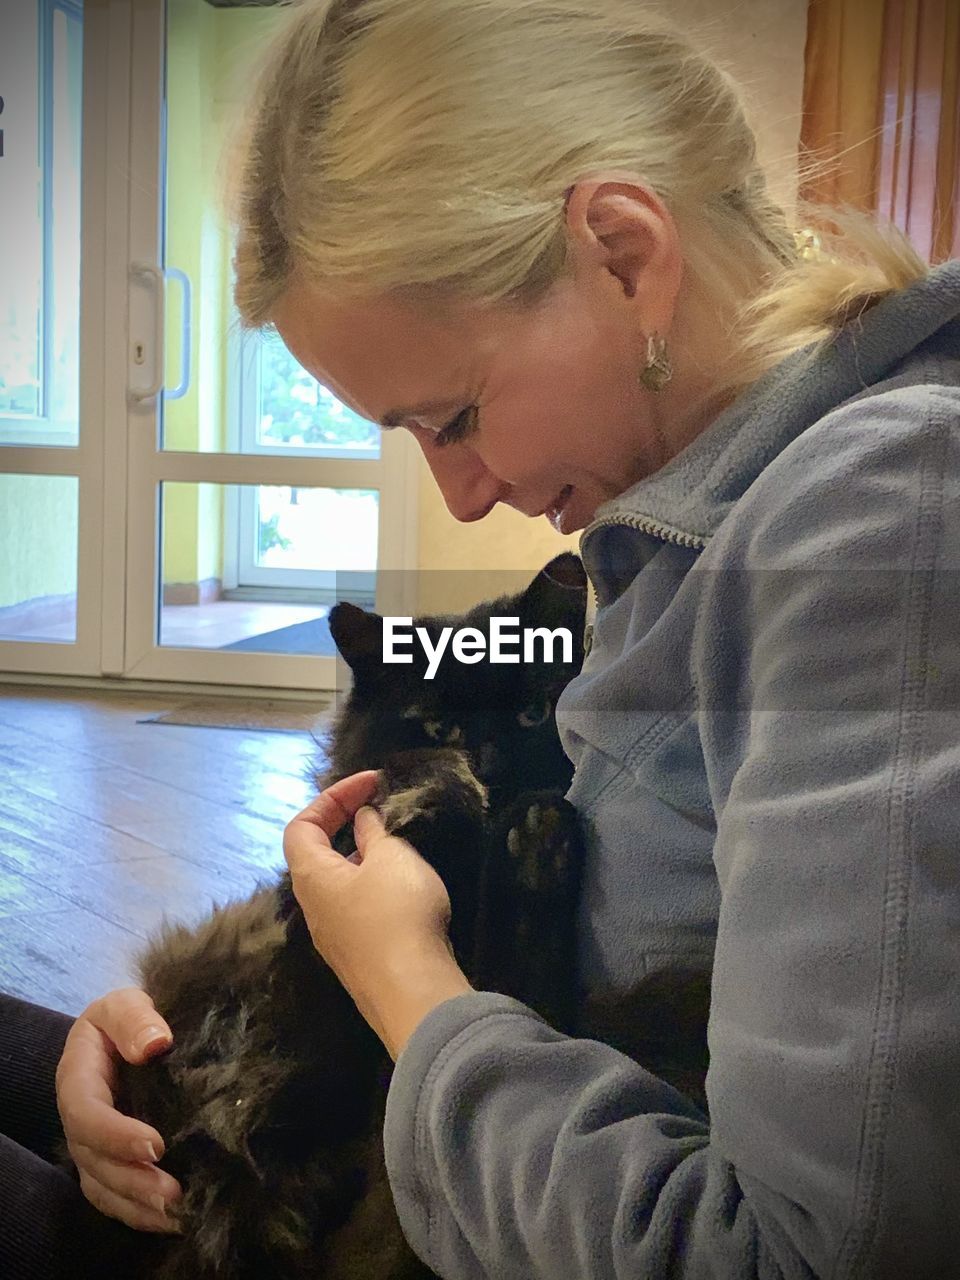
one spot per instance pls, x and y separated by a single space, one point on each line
463 425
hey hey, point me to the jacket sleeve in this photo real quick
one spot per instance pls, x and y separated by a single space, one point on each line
514 1151
829 684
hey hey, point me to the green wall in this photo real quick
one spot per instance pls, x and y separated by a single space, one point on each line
38 537
196 243
209 52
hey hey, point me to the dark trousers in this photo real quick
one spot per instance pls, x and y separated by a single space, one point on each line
48 1230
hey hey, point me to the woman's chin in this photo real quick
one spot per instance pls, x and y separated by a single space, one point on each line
572 510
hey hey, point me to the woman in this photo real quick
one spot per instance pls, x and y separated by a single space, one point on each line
534 234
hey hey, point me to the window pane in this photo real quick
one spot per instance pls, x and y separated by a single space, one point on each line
38 558
245 393
21 225
40 79
334 529
257 568
294 409
64 213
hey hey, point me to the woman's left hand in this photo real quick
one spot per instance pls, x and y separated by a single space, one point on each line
378 918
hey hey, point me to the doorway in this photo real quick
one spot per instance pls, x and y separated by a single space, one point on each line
179 500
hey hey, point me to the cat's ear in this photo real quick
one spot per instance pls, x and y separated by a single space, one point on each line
559 591
359 637
565 570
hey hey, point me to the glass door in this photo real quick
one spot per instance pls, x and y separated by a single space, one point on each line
280 407
254 498
52 102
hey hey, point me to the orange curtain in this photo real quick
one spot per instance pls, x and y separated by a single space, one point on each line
881 94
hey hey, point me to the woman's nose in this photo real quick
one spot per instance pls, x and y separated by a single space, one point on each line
469 489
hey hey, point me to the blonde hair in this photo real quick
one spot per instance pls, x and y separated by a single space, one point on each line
423 148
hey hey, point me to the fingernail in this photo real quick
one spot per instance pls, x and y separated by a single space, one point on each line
148 1152
159 1204
151 1038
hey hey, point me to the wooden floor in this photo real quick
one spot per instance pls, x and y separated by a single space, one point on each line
107 825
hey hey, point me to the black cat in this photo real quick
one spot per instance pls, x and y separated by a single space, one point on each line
271 1099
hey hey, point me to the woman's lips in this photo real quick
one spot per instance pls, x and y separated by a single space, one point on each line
554 512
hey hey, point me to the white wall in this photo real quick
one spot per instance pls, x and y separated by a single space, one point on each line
761 43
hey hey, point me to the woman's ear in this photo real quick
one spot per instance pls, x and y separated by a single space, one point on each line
621 226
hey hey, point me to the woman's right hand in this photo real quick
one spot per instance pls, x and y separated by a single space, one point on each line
114 1153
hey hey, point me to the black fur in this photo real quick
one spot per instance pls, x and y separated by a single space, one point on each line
271 1100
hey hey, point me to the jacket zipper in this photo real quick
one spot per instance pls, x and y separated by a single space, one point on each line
656 529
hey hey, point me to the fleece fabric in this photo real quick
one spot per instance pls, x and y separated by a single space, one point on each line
766 735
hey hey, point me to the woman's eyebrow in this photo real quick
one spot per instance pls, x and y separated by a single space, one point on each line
396 417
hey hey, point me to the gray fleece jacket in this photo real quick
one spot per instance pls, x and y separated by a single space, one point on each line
766 736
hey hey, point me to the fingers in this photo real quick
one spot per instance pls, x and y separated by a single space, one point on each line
338 803
128 1017
125 1208
312 829
142 1183
373 838
367 828
114 1153
86 1079
93 1125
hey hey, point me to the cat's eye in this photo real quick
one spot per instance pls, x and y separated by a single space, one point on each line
535 713
463 425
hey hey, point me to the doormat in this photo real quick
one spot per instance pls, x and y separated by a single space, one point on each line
312 636
278 716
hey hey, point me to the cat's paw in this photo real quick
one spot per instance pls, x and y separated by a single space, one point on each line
525 937
541 845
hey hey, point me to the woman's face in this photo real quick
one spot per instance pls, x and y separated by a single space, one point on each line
540 409
549 402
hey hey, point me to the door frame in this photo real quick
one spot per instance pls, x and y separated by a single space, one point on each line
117 464
106 25
395 474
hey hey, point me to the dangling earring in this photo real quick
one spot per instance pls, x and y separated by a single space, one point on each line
658 370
